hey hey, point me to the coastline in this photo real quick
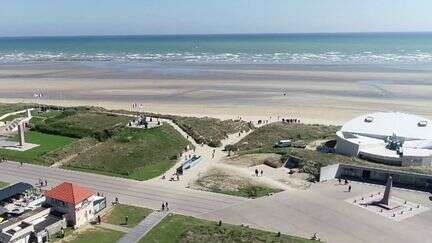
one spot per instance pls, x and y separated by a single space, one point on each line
326 95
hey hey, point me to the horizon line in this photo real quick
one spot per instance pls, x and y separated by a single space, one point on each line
214 34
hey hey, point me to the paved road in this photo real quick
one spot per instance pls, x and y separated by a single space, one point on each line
320 209
181 200
323 209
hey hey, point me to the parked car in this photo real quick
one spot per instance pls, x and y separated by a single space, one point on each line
283 143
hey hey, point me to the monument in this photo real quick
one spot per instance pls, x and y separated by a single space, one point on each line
386 201
21 128
387 205
387 192
29 115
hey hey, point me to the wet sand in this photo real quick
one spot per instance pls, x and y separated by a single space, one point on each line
314 94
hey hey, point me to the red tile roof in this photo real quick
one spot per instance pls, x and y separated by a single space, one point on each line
70 193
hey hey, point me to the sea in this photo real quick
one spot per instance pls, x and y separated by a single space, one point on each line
321 49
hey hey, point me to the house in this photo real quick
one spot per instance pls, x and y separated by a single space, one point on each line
32 226
28 216
78 204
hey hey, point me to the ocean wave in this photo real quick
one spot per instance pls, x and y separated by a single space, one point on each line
365 57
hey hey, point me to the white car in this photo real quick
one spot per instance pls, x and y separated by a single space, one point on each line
283 143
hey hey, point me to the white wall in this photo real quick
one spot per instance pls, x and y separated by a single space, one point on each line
328 172
345 147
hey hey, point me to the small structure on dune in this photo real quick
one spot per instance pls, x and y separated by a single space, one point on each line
144 122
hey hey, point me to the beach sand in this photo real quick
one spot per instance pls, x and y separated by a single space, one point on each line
314 94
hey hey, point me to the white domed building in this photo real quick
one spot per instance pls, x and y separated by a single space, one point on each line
387 137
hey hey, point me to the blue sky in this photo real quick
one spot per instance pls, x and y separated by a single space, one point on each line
135 17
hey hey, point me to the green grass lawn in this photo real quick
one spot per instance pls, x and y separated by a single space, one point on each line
119 212
47 143
133 153
177 228
95 235
3 184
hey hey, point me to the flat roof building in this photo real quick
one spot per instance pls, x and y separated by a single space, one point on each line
14 190
387 137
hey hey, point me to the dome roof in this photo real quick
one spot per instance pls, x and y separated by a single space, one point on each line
385 124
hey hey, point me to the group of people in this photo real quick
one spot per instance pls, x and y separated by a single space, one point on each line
346 183
291 120
259 173
262 122
42 182
165 206
175 177
287 120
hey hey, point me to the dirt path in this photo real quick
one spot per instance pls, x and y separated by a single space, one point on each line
209 161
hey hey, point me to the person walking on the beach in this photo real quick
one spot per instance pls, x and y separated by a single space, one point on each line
262 172
349 188
163 206
256 172
166 206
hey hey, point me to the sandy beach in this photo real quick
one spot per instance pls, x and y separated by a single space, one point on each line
314 94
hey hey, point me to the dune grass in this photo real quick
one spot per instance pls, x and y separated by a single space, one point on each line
210 131
12 107
119 212
68 151
207 130
47 143
263 138
178 228
81 122
133 153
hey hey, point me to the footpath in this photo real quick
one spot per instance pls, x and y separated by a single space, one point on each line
139 231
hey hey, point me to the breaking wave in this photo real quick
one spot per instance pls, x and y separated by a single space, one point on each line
241 58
